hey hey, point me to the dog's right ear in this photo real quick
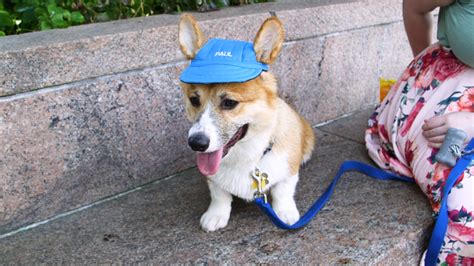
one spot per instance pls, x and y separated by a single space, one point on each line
191 38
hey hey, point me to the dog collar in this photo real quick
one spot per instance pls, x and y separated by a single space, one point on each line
268 149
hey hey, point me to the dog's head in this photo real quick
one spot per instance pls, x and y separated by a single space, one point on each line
224 114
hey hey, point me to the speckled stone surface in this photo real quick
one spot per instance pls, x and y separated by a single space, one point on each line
66 147
348 76
351 127
365 222
297 70
44 59
330 76
392 61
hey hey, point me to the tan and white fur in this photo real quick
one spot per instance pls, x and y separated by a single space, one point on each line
268 120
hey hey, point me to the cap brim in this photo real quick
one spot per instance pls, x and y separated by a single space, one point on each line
218 74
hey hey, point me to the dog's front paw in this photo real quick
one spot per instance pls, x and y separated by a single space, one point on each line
289 215
214 219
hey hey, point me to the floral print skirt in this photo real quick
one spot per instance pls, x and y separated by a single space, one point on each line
434 83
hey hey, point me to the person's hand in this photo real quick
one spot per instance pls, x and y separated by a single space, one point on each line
434 129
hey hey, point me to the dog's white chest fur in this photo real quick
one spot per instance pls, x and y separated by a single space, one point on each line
234 175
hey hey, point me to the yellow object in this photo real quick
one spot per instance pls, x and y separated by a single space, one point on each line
385 86
264 183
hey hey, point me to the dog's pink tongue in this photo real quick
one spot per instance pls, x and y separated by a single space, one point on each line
208 163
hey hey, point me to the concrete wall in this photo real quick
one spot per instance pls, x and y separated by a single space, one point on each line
95 110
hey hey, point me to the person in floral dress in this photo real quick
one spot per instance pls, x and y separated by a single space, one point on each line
434 93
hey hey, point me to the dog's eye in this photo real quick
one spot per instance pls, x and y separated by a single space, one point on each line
228 104
195 101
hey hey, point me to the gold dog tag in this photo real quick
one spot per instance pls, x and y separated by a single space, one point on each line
264 181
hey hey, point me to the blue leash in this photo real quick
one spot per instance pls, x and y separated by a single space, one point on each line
439 231
376 173
319 204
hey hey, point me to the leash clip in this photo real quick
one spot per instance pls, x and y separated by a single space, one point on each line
456 150
262 180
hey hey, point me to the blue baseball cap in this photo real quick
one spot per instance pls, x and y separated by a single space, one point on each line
223 61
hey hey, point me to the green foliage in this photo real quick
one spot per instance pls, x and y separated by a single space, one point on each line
20 16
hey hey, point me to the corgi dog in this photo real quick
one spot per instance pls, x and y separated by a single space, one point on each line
242 126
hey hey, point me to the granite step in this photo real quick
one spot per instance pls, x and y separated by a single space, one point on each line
365 222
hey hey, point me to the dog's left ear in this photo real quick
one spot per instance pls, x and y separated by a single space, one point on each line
269 40
191 38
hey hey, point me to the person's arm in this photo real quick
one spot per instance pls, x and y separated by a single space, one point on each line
418 21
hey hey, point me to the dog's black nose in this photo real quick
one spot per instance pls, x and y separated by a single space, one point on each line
198 142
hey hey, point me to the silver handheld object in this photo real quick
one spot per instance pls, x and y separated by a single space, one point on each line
451 149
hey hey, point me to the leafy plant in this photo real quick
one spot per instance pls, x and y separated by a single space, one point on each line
20 16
